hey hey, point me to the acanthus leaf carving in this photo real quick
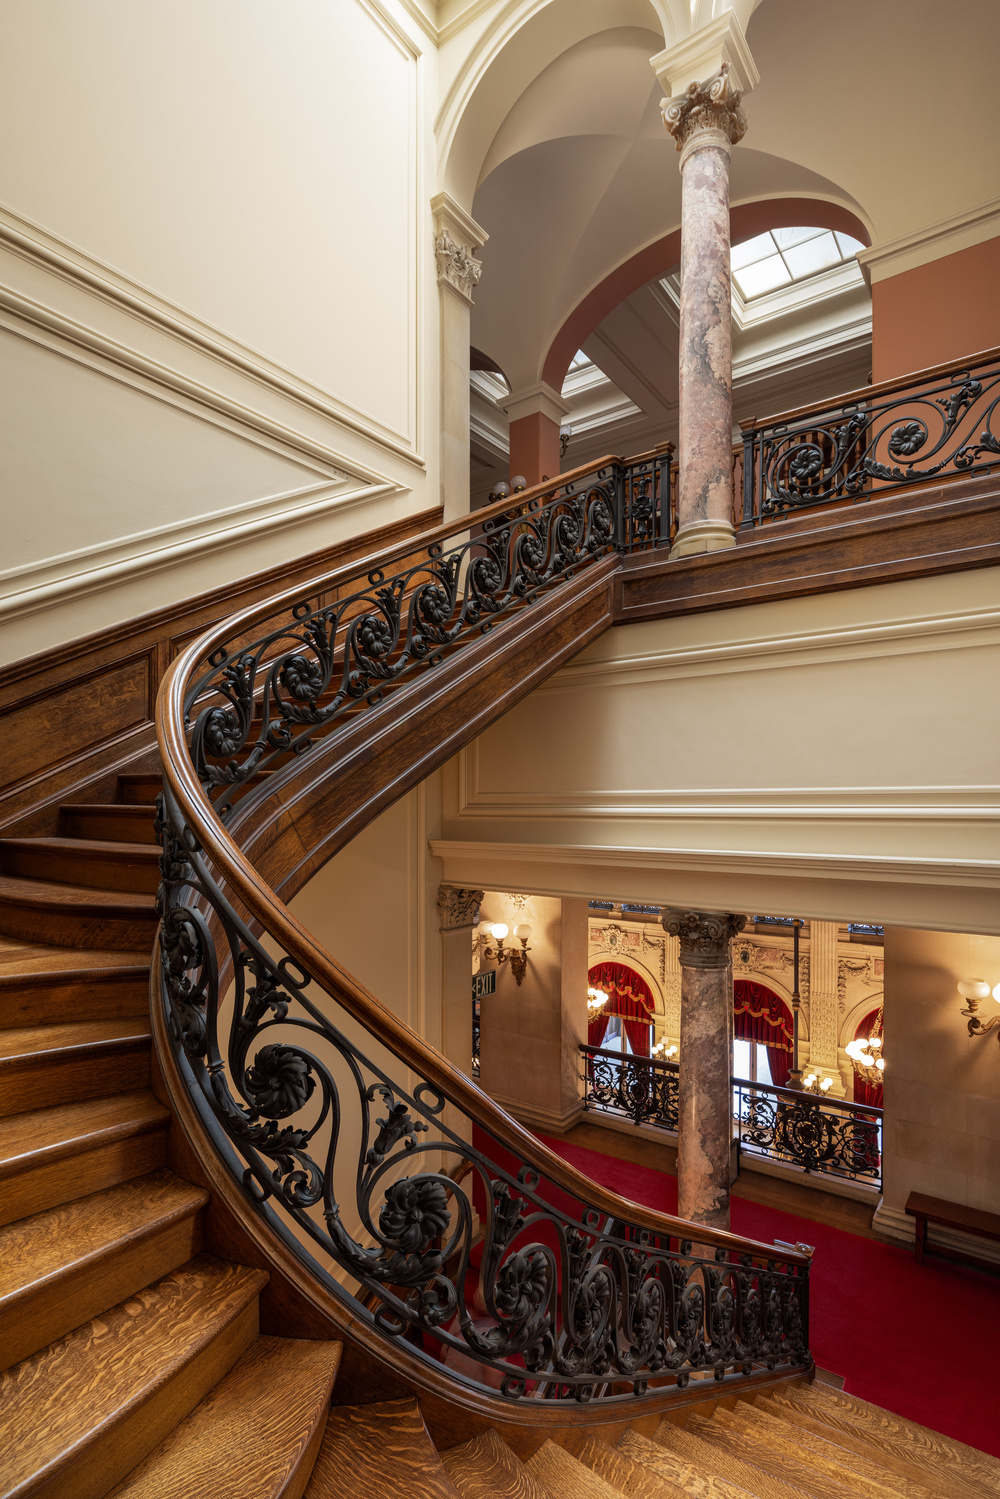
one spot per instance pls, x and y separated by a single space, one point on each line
456 264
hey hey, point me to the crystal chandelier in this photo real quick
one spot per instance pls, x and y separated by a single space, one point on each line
866 1055
596 1000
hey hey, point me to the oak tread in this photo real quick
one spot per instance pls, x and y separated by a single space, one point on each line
111 1382
690 1477
715 1459
625 1474
60 1268
83 863
565 1477
380 1451
786 1460
254 1436
22 1044
861 1466
30 1141
486 1468
46 894
62 991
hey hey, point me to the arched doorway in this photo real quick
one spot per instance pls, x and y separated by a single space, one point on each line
762 1034
626 1021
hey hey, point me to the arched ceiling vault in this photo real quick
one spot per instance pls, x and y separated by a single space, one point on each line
551 137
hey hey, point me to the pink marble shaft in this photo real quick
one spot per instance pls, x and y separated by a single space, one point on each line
706 355
704 1130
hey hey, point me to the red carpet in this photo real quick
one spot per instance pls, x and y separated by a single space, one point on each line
919 1340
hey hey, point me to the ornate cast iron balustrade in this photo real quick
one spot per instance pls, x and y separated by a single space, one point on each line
256 703
638 1088
357 1173
940 425
365 1152
824 1136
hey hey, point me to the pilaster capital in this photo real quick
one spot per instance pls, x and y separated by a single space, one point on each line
456 237
704 936
459 907
706 114
540 398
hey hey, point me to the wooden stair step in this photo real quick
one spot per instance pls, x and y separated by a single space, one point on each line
931 1450
565 1476
380 1451
713 1459
486 1468
625 1475
861 1466
689 1477
140 788
62 1267
49 997
77 1416
909 1470
74 916
45 1065
784 1459
51 1156
118 822
254 1436
88 862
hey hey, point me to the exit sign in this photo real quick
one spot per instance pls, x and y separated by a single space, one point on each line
484 983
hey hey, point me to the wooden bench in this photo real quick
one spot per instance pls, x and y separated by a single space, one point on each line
951 1215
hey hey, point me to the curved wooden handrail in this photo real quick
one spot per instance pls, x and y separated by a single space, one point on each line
265 907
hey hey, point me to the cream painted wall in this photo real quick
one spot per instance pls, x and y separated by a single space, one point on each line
942 1086
218 346
835 756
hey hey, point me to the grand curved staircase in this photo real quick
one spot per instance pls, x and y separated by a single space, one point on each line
184 1286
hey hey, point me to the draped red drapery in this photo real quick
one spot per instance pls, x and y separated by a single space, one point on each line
762 1017
868 1093
628 996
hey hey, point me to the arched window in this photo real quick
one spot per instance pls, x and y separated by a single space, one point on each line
763 1034
624 1023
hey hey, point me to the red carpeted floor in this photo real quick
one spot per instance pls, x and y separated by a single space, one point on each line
919 1340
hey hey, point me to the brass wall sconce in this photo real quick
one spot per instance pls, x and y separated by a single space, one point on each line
518 960
974 991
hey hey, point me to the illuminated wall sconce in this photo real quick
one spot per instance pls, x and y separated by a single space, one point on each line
565 433
974 991
812 1084
662 1051
518 960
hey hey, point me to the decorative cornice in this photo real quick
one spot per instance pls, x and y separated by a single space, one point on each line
706 114
459 907
703 52
704 936
932 242
540 398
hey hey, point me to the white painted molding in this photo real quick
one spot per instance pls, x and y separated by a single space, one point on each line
64 579
906 636
701 55
536 398
974 873
32 243
932 242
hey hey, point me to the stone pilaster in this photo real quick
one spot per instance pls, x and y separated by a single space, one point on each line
704 116
456 237
823 1019
705 1109
459 911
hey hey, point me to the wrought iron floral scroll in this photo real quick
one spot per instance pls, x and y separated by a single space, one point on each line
637 1088
914 434
820 1135
364 1179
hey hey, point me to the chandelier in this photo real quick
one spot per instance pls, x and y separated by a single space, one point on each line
866 1055
596 1000
662 1051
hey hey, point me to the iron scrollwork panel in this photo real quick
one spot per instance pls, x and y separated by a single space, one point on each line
800 1130
631 1087
564 1302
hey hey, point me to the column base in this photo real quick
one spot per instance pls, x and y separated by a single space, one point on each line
698 536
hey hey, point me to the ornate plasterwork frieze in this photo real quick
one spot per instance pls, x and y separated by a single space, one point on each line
706 114
705 936
459 907
457 266
623 943
867 971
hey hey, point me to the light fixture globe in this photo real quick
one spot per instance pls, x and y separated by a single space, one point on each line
977 989
499 930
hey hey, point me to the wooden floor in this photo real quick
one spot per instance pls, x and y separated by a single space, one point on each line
787 1197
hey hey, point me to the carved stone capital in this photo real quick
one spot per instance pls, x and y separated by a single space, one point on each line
458 907
704 935
457 266
706 114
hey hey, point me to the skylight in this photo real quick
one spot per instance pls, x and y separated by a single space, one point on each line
579 361
782 256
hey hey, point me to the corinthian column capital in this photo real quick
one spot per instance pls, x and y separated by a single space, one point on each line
458 907
456 237
704 935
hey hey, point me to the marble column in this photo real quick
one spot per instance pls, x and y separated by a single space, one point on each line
704 1127
706 122
456 236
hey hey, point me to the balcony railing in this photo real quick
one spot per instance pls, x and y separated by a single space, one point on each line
934 425
821 1136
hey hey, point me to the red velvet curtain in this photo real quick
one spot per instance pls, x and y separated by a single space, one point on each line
868 1093
628 996
761 1017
